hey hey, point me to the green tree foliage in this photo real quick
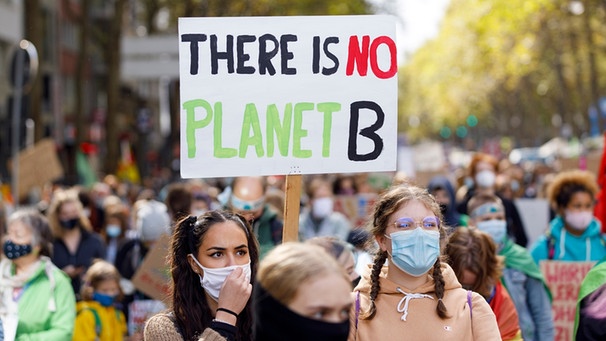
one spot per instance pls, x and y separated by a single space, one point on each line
518 65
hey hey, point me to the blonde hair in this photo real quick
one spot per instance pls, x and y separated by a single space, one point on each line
289 266
60 198
98 272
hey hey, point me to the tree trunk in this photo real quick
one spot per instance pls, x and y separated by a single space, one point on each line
591 58
81 113
113 88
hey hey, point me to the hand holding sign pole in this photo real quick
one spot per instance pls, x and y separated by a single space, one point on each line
266 95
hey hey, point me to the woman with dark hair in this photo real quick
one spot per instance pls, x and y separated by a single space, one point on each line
36 299
219 251
416 294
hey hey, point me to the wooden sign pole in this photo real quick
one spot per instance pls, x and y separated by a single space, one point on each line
292 204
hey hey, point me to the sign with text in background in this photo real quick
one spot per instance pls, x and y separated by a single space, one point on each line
287 95
564 280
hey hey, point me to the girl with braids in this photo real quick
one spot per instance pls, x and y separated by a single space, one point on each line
415 296
213 260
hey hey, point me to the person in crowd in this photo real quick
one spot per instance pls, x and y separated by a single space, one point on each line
319 219
590 319
114 231
247 197
521 275
473 256
179 200
150 220
574 234
97 317
343 253
75 245
441 188
483 171
363 245
416 294
36 299
344 184
213 260
302 294
98 193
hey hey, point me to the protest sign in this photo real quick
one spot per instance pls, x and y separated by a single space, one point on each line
38 165
564 280
357 208
287 95
153 276
139 312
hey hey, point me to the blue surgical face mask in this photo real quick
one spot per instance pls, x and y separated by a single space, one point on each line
415 251
103 299
113 231
497 229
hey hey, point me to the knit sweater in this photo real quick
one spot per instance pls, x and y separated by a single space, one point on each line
161 327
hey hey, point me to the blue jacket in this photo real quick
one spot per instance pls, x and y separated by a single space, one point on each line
590 246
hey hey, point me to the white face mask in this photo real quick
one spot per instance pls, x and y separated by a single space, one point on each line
322 207
213 278
485 178
579 220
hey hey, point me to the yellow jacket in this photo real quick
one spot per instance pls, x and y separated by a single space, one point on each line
108 324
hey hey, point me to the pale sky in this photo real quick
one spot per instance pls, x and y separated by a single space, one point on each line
421 20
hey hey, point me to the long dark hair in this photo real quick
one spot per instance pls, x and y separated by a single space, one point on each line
190 307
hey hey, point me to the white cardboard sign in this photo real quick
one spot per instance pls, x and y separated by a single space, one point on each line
287 95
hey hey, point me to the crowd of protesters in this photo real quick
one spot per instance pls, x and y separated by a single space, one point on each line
449 258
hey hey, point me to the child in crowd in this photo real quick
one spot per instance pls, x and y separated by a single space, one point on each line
574 234
521 276
98 318
473 257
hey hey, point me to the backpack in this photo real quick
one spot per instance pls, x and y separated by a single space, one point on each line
98 326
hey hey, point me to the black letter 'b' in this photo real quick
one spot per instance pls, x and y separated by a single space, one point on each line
352 149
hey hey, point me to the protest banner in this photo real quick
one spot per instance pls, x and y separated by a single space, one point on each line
287 96
357 208
38 166
564 280
153 276
139 312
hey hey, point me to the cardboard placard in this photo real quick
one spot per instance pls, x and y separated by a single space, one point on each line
139 312
564 280
38 165
153 276
287 95
357 208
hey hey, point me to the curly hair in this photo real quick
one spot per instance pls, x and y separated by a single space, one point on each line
192 312
566 184
389 203
474 251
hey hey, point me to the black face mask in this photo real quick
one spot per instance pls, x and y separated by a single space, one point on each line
14 251
276 322
69 224
443 208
